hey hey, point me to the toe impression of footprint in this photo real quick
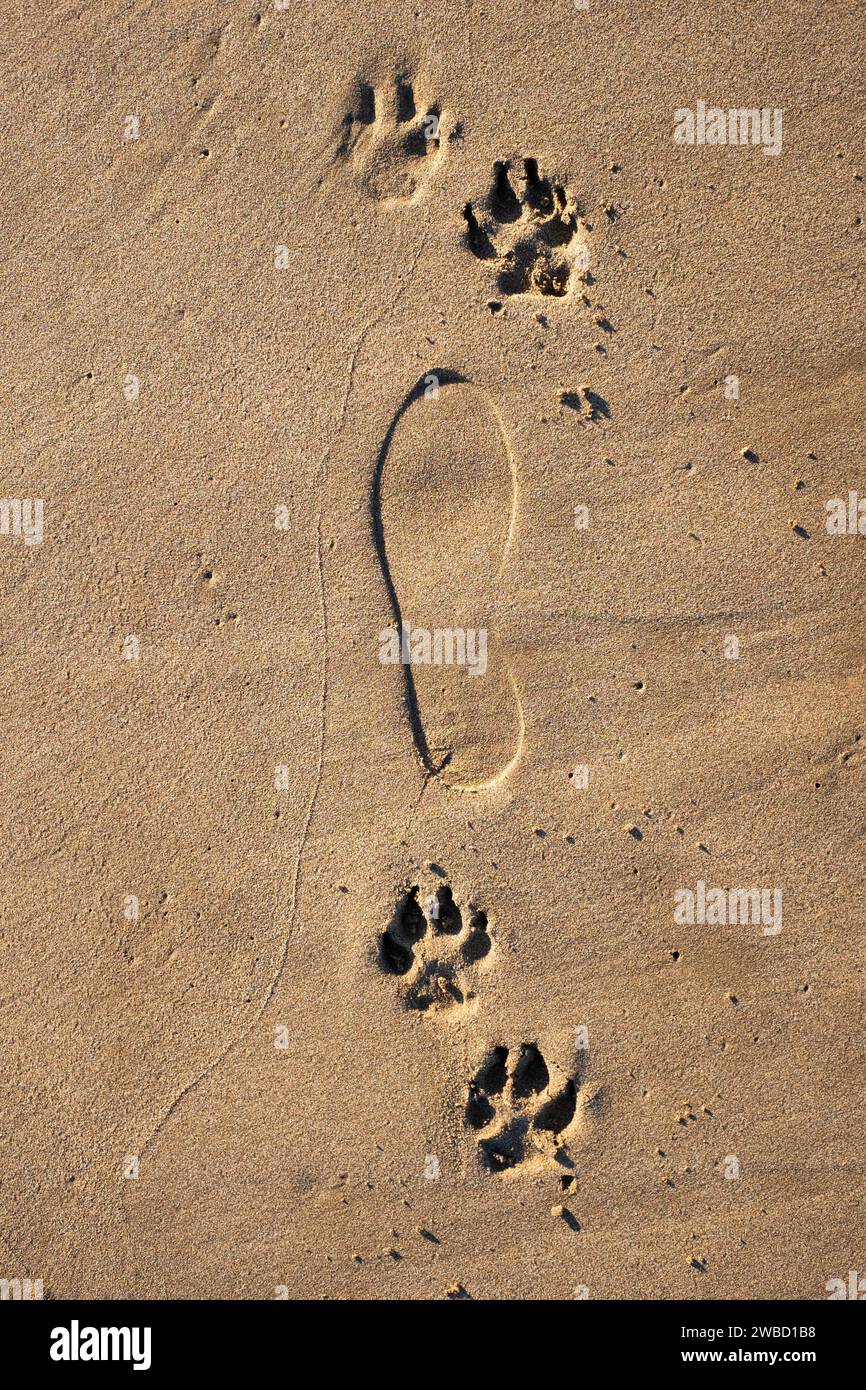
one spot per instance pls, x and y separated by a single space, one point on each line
392 142
522 1111
529 227
436 951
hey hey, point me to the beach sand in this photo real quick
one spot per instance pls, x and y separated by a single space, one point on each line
328 974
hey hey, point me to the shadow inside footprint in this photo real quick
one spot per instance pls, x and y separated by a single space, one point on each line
477 945
409 924
437 988
477 240
444 912
479 1111
506 1149
531 1076
503 201
539 194
494 1074
558 1113
404 98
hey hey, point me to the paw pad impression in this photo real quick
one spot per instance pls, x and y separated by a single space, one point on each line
391 140
435 949
519 1110
529 226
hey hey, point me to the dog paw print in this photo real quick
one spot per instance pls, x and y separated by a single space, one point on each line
436 950
392 141
529 226
522 1113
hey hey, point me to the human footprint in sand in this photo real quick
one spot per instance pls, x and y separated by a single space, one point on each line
444 505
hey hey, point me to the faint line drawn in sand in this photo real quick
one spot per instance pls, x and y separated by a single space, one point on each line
321 474
443 508
391 140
